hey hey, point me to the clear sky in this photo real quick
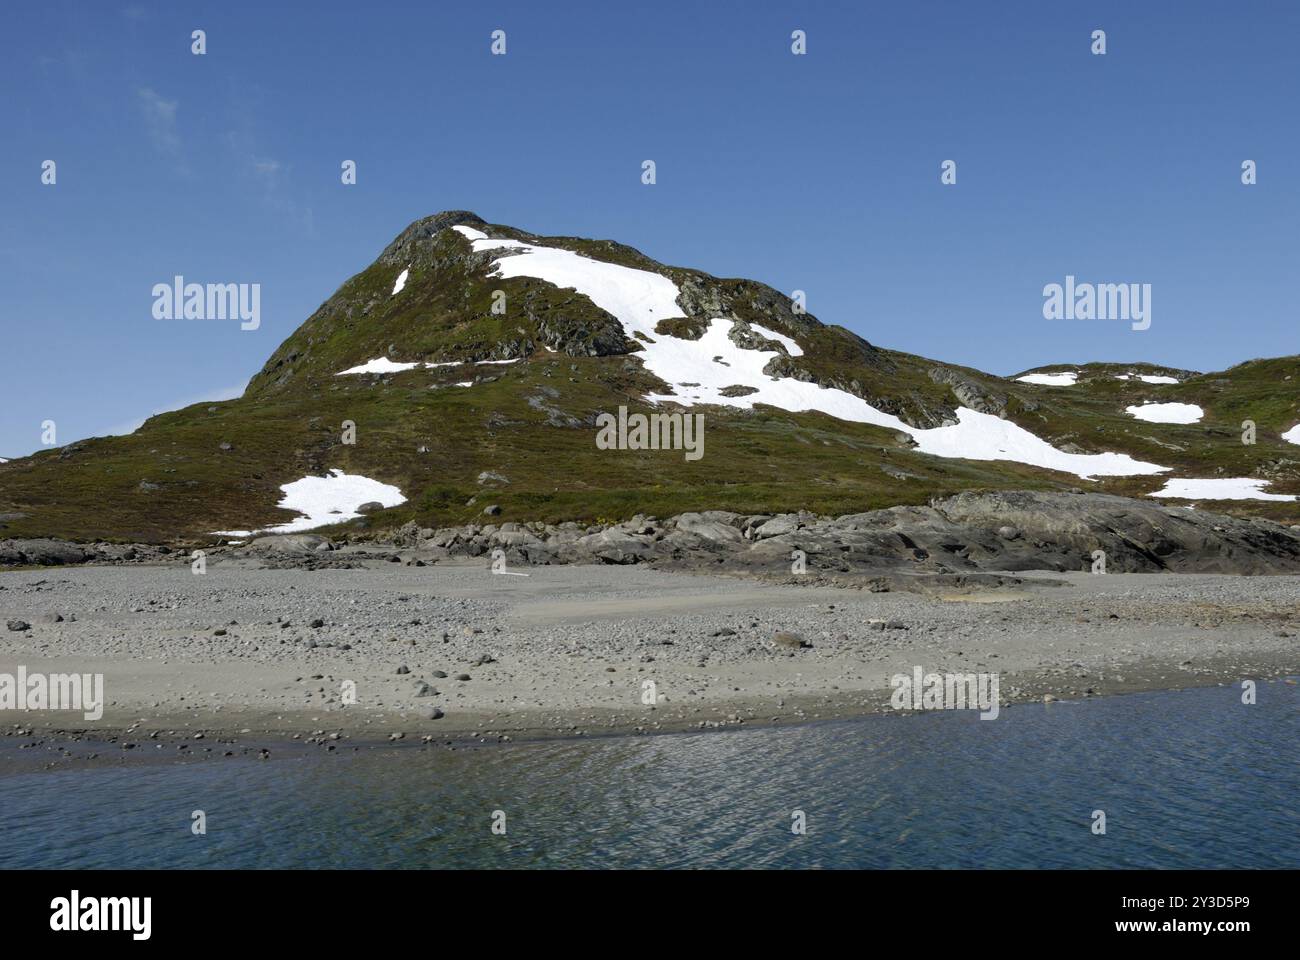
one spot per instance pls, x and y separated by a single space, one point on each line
818 172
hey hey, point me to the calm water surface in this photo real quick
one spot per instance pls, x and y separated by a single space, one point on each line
1186 779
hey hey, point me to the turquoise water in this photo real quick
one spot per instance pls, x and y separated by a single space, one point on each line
1186 779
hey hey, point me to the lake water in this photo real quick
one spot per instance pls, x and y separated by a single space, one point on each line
1186 779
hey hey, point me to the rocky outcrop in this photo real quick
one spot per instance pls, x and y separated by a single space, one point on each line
964 534
41 553
56 553
968 533
415 238
747 338
969 392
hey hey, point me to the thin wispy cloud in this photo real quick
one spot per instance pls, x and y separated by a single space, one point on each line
160 119
273 178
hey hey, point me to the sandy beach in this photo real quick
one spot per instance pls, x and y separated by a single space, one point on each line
240 657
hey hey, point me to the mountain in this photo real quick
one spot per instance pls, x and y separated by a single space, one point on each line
477 363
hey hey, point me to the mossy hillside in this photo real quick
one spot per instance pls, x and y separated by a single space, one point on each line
1092 415
445 312
534 421
758 461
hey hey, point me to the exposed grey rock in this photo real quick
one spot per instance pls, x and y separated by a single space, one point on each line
715 527
969 392
608 546
745 337
957 536
291 543
42 552
790 641
777 526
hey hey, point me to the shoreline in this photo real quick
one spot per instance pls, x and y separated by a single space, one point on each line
565 652
52 744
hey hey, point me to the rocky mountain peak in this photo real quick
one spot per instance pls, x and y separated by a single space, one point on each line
402 249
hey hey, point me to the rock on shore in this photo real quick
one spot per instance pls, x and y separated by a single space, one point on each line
1006 531
967 533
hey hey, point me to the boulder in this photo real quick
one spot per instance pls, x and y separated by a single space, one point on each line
42 552
610 546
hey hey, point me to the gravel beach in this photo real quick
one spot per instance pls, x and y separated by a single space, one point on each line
214 664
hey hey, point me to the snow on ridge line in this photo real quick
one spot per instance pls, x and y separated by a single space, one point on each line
1146 377
325 500
1167 412
401 281
1065 379
639 299
384 365
1226 488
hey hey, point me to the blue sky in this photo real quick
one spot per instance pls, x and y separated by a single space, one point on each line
816 172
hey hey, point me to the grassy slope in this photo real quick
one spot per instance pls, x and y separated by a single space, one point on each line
764 460
288 424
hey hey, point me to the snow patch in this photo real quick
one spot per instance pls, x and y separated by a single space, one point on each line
326 500
1167 412
1146 377
1068 379
381 365
1234 488
384 365
639 299
1292 435
401 281
791 347
982 436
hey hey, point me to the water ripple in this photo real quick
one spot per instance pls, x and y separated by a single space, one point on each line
1186 779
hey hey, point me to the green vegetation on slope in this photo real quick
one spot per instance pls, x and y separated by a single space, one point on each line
219 466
